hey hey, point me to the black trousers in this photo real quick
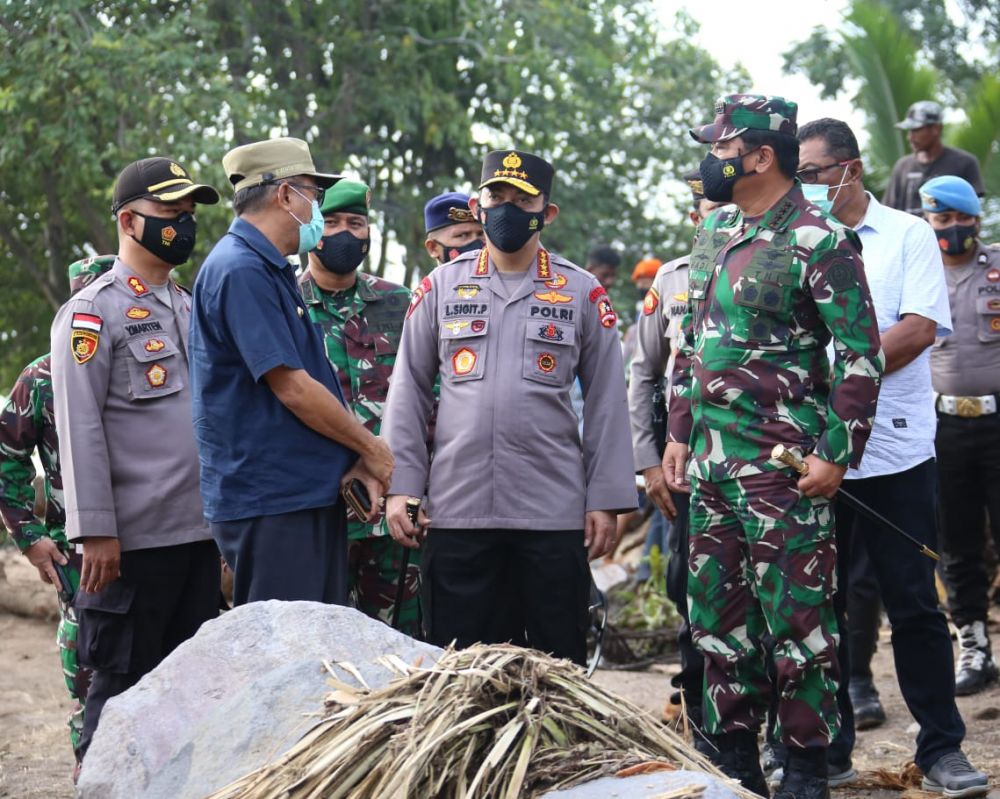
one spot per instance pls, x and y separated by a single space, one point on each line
863 606
163 596
968 453
527 587
921 644
300 555
691 677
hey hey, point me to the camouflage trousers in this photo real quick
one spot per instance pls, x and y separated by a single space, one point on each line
762 562
373 565
76 676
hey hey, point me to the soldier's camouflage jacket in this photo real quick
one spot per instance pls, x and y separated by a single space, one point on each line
764 298
27 422
361 329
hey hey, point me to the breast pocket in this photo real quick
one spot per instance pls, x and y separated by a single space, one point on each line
988 311
548 352
154 367
463 349
761 313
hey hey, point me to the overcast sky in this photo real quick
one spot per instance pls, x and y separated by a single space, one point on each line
756 36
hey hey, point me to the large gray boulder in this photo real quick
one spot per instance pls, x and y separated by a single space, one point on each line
645 786
233 698
246 688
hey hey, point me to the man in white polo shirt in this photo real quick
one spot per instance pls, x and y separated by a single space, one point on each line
897 474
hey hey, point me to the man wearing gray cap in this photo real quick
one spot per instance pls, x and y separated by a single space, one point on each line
274 437
150 573
930 158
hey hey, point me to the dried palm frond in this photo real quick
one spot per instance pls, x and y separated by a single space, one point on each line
487 721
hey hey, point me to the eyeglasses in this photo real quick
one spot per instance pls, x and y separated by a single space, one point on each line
811 175
320 193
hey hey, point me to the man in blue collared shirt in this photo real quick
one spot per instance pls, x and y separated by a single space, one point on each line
275 440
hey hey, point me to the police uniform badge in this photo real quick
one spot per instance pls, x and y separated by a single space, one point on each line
651 301
85 336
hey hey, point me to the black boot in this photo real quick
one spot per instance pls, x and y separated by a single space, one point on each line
739 758
805 774
703 742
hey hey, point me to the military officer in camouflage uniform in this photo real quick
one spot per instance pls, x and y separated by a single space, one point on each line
658 336
150 572
450 226
362 320
26 424
769 285
515 497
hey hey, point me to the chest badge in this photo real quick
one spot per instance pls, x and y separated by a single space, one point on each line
457 325
553 297
550 332
463 361
557 282
993 275
466 290
478 325
135 312
138 287
547 362
154 345
156 375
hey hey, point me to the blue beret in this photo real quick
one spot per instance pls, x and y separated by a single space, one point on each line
950 193
446 209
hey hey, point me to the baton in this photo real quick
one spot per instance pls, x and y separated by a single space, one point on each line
786 456
412 508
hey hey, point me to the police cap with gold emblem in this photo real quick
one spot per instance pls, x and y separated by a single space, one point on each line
266 161
161 179
450 208
529 173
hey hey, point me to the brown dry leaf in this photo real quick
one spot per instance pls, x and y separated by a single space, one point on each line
909 776
646 767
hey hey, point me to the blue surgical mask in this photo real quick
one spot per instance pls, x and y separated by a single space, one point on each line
312 231
818 195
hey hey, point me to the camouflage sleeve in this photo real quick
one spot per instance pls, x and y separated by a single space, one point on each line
652 353
679 419
20 434
836 279
411 394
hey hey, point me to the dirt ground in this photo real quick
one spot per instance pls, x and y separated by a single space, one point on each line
36 762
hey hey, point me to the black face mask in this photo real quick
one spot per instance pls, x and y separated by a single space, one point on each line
719 176
508 227
452 252
957 239
342 252
170 239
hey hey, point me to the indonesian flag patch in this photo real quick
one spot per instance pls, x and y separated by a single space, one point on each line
85 336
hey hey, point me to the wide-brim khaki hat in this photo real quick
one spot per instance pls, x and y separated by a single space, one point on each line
274 159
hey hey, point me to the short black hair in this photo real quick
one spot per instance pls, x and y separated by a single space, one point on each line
253 198
838 136
786 148
604 254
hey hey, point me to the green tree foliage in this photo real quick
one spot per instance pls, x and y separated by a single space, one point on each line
899 51
408 96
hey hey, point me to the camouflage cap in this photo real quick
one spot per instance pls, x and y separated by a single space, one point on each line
736 113
85 271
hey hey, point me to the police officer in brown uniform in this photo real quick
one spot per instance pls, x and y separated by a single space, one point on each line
965 372
516 498
150 573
